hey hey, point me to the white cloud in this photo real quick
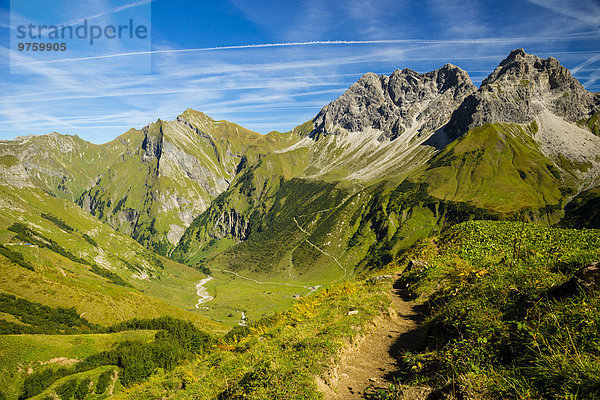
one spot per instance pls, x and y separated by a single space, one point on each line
586 11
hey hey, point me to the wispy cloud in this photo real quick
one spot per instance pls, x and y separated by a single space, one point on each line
492 40
587 11
584 64
107 12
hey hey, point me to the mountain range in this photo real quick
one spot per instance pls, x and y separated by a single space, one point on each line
394 159
209 222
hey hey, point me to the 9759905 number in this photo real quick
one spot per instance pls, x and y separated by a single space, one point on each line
42 46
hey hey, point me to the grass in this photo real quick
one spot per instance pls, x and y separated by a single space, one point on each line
278 356
23 353
487 166
233 295
494 328
158 285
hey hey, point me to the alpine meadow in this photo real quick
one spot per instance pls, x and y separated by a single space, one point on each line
421 237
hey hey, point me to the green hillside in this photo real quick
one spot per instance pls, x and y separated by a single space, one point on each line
78 261
499 324
195 258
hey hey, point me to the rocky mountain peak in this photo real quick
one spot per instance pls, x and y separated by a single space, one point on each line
521 88
404 101
520 65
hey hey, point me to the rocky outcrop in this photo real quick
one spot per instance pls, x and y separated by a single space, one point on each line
231 223
521 88
13 173
395 104
153 141
586 279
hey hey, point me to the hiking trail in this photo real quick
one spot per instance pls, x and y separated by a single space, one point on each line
373 361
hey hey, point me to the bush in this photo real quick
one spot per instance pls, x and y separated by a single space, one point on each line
111 276
83 388
15 257
90 240
43 318
175 341
58 222
67 389
37 382
25 234
104 381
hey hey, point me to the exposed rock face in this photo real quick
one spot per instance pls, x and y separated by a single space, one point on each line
403 101
14 175
231 223
586 280
521 88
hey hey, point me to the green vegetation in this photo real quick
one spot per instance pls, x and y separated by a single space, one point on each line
160 286
34 353
592 123
90 240
404 215
583 211
8 160
495 323
15 257
58 222
40 318
111 276
486 166
67 389
26 234
137 360
278 356
103 381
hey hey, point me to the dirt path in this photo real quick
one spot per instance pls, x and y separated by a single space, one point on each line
322 251
373 361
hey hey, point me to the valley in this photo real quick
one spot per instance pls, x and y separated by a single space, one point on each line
195 258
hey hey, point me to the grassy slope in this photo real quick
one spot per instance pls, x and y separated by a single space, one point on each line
494 328
497 167
22 354
59 281
276 251
66 165
276 357
149 195
583 211
592 123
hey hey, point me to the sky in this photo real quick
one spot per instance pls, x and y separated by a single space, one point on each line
266 65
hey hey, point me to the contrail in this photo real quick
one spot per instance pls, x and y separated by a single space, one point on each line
584 64
113 11
329 42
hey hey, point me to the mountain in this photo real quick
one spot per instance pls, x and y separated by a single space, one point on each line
404 103
392 160
171 174
149 184
521 144
209 222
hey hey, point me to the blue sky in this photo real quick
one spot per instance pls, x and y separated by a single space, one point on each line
271 87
